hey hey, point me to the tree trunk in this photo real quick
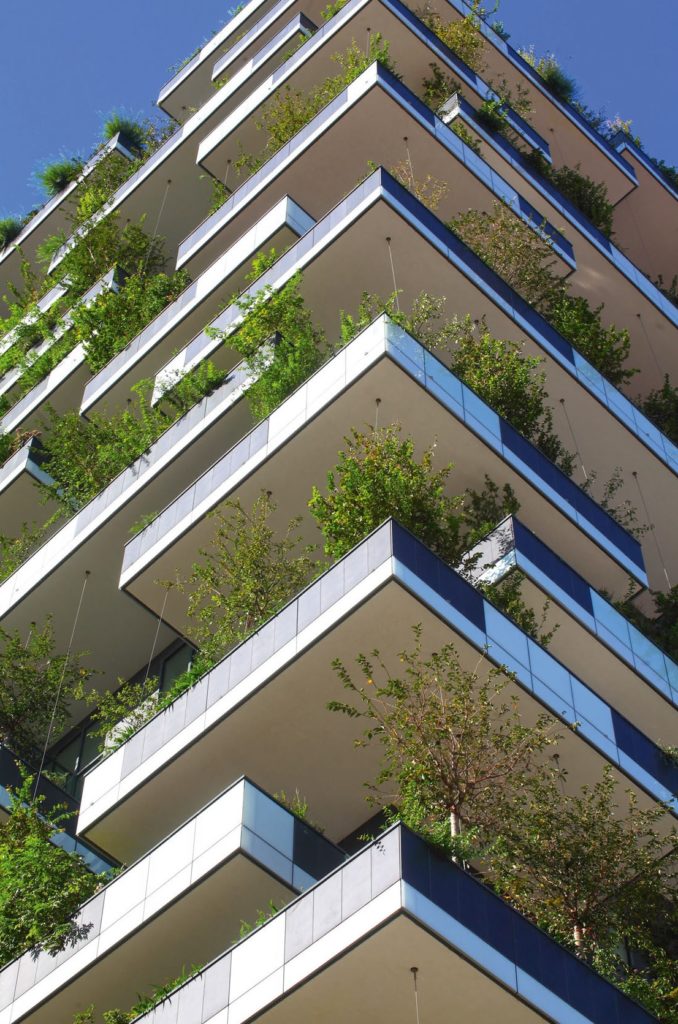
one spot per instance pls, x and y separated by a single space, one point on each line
455 829
578 933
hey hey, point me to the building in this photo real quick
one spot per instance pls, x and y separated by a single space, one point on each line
356 197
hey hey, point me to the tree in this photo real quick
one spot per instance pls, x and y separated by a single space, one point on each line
590 870
244 577
42 886
455 750
378 476
37 687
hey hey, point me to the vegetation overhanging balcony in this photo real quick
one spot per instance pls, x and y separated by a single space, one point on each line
603 273
170 171
51 218
197 305
345 951
369 599
117 632
611 432
178 905
572 139
591 636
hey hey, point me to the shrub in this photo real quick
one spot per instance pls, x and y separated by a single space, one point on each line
524 260
661 406
10 228
42 886
455 751
55 177
133 134
116 317
244 577
460 35
38 687
557 81
587 195
438 88
289 110
277 339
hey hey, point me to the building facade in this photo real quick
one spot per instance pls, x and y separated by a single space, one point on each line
291 172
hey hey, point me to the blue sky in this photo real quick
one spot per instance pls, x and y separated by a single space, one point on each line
66 66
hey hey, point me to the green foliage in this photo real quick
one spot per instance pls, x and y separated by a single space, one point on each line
378 476
606 348
589 870
466 136
55 177
133 134
144 1004
332 9
524 260
41 885
661 406
10 444
36 690
244 577
83 456
428 190
289 110
455 752
624 511
115 318
298 806
262 917
460 35
557 81
512 383
438 88
277 340
10 228
587 195
15 550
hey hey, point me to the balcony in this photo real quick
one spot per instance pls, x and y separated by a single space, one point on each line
18 479
227 50
51 219
572 140
195 307
344 951
428 257
603 273
178 905
369 599
63 385
119 633
593 638
44 304
646 222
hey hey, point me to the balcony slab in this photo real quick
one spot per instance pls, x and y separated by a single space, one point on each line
177 905
369 599
345 950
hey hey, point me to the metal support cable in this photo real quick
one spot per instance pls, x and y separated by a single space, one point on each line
652 529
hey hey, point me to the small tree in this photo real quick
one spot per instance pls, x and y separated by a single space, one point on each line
455 750
36 690
591 871
378 476
42 886
661 406
244 577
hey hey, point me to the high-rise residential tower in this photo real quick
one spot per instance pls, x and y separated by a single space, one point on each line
368 229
